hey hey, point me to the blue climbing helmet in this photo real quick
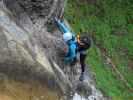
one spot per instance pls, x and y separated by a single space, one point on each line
67 36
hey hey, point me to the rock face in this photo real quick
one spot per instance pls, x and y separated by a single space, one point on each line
39 11
29 53
22 55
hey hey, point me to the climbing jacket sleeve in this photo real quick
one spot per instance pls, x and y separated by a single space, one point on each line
63 28
71 54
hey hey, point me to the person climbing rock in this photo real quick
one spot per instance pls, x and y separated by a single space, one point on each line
75 45
70 40
84 44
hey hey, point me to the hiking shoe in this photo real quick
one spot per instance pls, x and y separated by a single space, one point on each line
81 78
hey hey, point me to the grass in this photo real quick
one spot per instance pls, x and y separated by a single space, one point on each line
110 23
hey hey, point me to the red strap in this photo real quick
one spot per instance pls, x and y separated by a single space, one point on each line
65 49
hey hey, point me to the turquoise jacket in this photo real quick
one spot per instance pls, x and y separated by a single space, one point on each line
72 46
72 51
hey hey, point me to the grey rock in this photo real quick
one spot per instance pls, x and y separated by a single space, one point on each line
29 53
22 55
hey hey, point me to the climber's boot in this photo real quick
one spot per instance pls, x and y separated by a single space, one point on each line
81 78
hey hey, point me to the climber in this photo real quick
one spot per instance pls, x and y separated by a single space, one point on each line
75 45
70 40
84 44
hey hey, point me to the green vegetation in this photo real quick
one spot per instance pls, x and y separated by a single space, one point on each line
110 24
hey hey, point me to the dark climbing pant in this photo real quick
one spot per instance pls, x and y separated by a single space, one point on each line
82 61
